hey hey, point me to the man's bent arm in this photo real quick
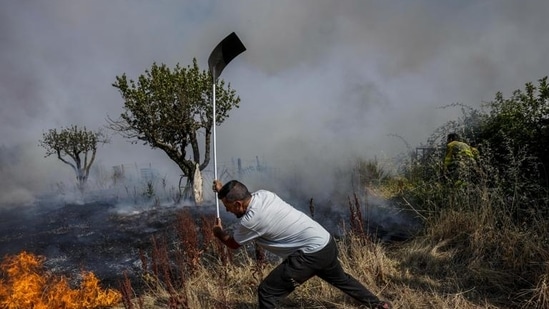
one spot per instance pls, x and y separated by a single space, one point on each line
225 238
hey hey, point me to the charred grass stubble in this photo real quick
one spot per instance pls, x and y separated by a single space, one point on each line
171 262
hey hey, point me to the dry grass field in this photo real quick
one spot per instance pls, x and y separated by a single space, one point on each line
471 253
476 249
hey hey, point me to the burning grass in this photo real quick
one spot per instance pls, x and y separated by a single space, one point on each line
25 284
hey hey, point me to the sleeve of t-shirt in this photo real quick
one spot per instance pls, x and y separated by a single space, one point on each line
243 235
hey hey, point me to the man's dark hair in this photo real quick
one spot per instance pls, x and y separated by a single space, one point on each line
453 137
234 191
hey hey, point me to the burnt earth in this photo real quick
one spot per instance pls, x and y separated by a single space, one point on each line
106 238
93 236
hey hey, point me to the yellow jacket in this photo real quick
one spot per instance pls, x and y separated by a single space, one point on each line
457 152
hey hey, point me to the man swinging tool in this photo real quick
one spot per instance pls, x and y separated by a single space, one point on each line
306 247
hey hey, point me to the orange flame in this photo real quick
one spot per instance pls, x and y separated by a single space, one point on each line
25 284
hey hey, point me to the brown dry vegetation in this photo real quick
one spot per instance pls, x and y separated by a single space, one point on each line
480 247
472 253
477 249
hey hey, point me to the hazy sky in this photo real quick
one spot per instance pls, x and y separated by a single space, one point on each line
321 82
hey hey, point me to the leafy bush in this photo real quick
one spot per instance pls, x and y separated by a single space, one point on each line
512 135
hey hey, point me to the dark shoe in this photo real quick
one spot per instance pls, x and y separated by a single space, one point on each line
384 305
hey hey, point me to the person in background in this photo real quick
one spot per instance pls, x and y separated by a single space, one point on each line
307 249
460 161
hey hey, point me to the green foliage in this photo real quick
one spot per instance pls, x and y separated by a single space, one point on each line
520 124
75 147
512 135
169 108
493 228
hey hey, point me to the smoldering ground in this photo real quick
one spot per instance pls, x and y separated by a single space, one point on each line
108 231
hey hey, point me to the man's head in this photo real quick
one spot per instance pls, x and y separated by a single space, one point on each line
235 196
453 137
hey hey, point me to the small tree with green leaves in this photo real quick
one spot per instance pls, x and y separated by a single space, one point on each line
170 109
75 147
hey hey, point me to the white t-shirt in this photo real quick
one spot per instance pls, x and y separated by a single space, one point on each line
278 227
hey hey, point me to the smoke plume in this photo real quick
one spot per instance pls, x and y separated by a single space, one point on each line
321 82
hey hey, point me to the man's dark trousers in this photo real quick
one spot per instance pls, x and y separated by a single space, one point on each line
299 267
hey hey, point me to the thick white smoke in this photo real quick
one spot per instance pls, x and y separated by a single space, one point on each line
322 82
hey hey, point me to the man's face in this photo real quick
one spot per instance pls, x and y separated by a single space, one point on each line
236 207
